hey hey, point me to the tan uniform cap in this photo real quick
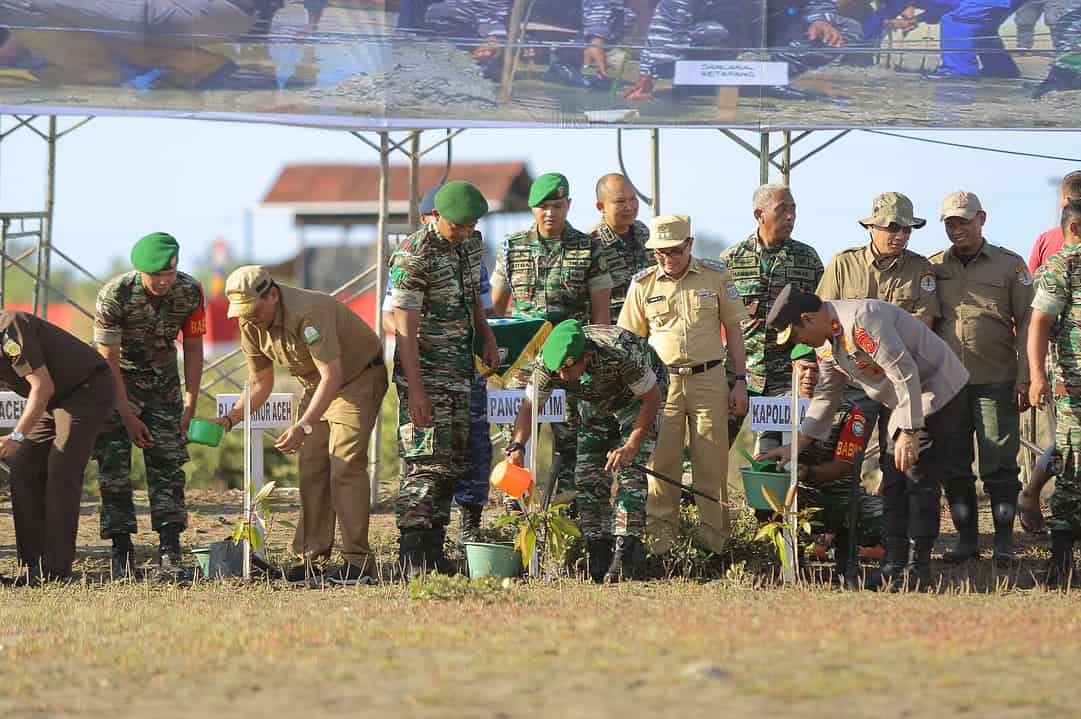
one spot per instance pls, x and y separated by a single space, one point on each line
668 231
960 204
890 207
243 288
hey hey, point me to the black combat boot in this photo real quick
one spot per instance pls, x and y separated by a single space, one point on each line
413 553
469 522
1003 511
123 560
963 509
918 571
599 552
1060 568
891 574
628 556
169 553
436 552
844 568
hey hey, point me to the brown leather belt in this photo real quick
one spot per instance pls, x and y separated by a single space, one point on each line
693 369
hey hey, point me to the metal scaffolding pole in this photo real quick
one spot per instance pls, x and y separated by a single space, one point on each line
655 170
414 177
786 158
41 293
763 158
381 281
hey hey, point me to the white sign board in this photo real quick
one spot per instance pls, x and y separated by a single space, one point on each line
730 73
774 414
11 408
277 413
503 406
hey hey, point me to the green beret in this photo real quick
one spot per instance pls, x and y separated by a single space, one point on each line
801 351
564 345
460 202
155 252
552 186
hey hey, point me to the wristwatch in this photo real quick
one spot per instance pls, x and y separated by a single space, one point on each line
16 436
305 425
740 378
513 447
910 432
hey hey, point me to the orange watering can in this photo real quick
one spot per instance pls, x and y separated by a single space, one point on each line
512 479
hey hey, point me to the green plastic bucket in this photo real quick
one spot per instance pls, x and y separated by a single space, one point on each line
201 431
202 558
754 481
492 560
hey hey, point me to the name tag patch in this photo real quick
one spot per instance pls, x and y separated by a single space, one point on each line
655 298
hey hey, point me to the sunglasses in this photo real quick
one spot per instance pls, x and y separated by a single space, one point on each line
672 251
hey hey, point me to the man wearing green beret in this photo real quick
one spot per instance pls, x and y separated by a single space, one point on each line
554 272
615 375
825 470
438 314
139 316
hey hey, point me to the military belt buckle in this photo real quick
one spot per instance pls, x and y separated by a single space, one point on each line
685 371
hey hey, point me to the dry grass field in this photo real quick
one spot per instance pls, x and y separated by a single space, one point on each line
452 648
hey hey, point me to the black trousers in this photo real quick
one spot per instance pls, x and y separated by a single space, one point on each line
47 475
912 499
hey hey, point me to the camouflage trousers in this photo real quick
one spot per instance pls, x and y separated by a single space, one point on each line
833 503
431 468
164 465
1066 499
601 432
474 486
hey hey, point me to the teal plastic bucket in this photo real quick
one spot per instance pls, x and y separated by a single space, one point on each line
205 432
492 560
753 482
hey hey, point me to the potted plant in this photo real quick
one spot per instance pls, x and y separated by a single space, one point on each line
537 523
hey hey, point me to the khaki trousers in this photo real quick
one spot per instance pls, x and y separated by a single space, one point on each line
696 407
334 482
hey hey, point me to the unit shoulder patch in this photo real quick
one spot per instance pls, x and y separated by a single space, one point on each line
311 333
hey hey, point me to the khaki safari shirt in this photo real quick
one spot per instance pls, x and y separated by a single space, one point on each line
313 326
894 357
908 281
30 343
682 317
985 311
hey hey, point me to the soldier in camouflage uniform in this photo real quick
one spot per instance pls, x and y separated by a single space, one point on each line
621 235
435 292
801 33
1058 299
601 23
825 469
555 272
612 373
1065 72
761 266
138 318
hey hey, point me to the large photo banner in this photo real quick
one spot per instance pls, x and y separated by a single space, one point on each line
459 63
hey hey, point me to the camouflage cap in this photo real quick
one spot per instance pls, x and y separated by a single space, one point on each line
802 351
668 231
243 288
460 202
960 204
564 345
551 186
892 207
155 252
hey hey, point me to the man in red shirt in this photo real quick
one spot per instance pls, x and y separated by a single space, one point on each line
1051 241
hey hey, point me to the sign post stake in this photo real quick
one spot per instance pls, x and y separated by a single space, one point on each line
791 529
247 480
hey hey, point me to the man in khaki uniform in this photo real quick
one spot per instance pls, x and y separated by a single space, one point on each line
986 294
338 360
885 269
680 306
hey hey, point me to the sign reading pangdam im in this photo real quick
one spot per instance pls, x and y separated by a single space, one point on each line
385 64
503 406
277 413
11 408
774 414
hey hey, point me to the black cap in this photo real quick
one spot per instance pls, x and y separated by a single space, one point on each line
787 308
